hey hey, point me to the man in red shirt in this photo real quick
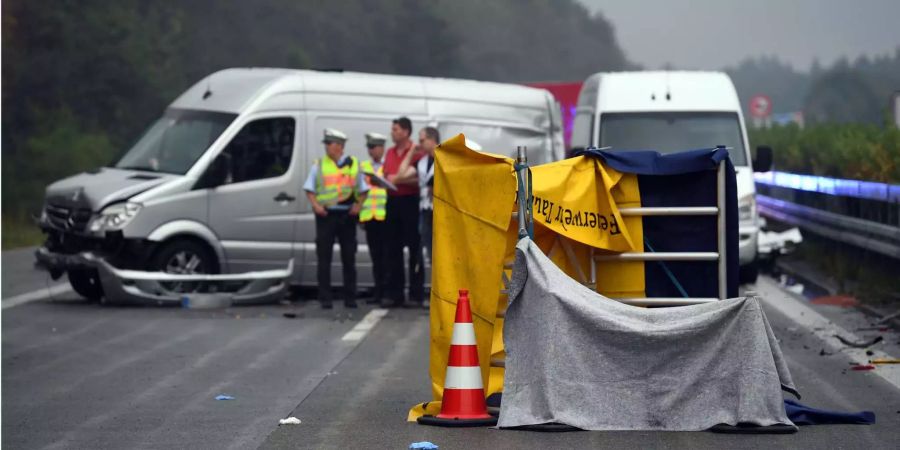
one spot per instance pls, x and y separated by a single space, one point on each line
402 219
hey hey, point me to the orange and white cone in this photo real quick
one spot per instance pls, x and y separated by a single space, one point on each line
463 404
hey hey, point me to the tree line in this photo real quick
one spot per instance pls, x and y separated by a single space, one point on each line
845 92
82 78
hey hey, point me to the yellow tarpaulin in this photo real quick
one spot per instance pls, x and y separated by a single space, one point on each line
575 207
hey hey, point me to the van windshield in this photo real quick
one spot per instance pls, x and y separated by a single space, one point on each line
175 141
670 132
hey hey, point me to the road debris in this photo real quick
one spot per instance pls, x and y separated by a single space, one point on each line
888 317
290 315
862 367
885 361
843 301
862 344
289 421
224 397
424 445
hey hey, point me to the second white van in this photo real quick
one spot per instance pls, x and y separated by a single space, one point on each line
670 111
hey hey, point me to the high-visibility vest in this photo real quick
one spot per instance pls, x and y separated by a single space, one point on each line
374 206
335 185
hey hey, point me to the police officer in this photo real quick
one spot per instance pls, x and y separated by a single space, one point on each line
336 189
372 214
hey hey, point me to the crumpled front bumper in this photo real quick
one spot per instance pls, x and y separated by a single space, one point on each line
126 286
249 288
58 263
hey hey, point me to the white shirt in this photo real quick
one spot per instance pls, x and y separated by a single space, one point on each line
426 191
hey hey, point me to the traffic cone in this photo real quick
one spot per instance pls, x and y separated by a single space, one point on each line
463 404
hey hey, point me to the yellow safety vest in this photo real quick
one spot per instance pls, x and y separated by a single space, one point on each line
374 206
335 185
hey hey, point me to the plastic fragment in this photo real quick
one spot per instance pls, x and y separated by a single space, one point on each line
224 397
862 344
289 421
862 367
424 445
885 361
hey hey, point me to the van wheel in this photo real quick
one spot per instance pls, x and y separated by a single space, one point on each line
184 256
749 272
86 282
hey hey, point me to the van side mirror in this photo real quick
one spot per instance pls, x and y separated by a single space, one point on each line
763 160
217 173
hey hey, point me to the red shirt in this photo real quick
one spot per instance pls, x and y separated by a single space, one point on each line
392 160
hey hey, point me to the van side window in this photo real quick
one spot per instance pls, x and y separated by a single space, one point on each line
262 149
582 129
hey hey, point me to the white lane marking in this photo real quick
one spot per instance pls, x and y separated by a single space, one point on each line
365 325
39 294
825 330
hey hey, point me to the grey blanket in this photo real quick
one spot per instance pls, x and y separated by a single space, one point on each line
578 358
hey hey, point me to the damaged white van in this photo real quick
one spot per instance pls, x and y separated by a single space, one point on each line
671 111
215 185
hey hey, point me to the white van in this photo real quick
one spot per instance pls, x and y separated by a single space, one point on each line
215 185
675 111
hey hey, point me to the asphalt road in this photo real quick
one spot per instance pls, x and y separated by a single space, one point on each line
80 375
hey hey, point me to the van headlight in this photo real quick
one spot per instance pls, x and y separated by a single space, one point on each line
115 217
747 208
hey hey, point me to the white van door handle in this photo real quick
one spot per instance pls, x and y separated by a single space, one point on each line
283 197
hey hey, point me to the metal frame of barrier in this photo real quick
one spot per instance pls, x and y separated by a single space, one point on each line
719 255
590 281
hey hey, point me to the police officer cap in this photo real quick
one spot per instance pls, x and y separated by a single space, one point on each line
373 139
334 135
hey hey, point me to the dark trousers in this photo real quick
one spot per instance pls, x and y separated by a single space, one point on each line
403 231
426 222
376 239
341 226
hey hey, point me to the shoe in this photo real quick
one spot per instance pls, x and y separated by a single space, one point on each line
327 305
350 304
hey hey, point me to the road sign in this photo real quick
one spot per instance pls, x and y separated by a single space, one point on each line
760 106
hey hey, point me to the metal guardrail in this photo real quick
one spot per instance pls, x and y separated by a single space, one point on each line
866 234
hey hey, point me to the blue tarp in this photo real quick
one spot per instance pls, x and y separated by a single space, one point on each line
804 415
682 179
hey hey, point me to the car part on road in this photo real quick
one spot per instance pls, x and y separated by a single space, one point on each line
861 344
134 286
424 445
885 361
199 300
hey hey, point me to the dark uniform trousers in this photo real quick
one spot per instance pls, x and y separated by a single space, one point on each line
376 239
340 226
403 231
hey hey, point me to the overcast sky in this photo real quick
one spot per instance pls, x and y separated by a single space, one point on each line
711 34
